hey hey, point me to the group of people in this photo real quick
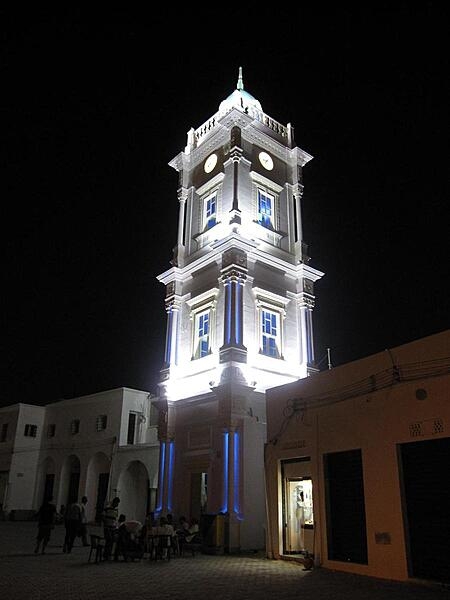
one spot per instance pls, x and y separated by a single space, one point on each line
120 536
75 521
132 538
179 533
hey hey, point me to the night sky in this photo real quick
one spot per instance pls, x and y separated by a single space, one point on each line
92 112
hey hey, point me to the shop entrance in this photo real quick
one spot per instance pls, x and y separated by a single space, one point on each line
426 498
199 494
298 510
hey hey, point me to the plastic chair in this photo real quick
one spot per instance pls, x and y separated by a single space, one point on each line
195 545
97 546
159 546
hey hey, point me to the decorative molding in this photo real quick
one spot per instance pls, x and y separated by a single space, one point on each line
306 301
173 304
211 183
208 298
265 181
296 189
234 256
183 194
264 297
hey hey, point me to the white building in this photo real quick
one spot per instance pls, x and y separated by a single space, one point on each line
100 446
239 300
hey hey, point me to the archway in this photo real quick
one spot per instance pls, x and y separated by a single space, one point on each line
97 479
70 480
46 480
133 486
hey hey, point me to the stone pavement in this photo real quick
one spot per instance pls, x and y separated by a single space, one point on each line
56 576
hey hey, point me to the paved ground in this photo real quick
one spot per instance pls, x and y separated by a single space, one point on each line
55 576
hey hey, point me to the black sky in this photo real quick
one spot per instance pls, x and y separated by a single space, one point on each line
93 112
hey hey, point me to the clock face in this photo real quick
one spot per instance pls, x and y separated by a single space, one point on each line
210 163
266 160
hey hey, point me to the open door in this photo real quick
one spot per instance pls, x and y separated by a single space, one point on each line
298 508
299 514
199 494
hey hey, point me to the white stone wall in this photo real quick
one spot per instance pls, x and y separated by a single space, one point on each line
89 452
24 459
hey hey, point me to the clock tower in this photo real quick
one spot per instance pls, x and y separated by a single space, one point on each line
239 303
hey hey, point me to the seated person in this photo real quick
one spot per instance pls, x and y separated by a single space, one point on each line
128 541
120 536
192 531
174 541
183 527
164 529
190 537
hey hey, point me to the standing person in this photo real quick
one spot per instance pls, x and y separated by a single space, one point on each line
182 531
109 517
175 545
46 521
73 524
61 515
83 529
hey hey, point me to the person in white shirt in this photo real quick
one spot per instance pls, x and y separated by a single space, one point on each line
83 527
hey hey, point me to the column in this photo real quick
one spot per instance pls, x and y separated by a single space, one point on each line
170 472
297 196
225 471
172 309
233 330
234 275
236 435
235 155
161 477
306 332
182 196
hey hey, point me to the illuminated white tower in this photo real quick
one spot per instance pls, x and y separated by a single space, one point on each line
239 301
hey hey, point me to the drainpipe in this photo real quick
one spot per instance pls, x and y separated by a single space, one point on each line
113 452
269 546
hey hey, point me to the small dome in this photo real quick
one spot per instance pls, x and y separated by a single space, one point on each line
240 99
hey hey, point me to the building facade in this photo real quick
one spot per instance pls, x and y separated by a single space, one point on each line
239 302
99 446
357 464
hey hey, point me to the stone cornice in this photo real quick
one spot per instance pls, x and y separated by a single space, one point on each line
254 254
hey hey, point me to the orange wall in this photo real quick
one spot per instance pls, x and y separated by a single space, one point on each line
375 422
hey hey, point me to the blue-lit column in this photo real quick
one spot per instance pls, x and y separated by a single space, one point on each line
170 471
236 465
228 311
231 468
233 327
225 472
161 477
234 275
234 489
165 477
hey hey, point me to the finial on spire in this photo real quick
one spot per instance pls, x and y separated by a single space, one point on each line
240 83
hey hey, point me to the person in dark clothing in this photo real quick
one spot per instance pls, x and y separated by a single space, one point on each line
46 521
83 529
73 524
109 518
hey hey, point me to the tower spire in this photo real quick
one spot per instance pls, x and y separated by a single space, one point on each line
240 83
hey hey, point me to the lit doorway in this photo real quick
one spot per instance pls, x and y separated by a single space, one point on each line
199 494
298 508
